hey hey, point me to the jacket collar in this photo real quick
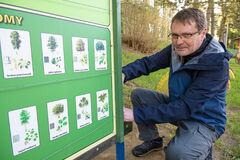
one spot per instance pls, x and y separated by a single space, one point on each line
208 57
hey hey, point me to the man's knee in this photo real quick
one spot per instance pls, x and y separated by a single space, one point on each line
175 152
136 94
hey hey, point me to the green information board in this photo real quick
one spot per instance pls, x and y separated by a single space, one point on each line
95 11
56 78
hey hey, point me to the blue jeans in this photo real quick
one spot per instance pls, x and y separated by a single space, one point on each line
193 139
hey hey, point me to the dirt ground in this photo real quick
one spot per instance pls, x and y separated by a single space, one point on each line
131 140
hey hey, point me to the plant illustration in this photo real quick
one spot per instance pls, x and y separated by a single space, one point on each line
24 117
102 97
30 135
105 107
80 45
61 123
102 57
58 109
55 61
52 43
14 63
23 64
87 115
15 40
99 46
83 102
83 60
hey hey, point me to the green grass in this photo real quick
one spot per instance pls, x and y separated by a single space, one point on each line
229 153
233 123
150 81
233 99
233 103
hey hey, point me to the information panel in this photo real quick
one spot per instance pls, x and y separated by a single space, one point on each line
95 11
56 90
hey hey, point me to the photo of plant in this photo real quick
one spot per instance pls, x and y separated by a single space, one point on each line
58 118
80 46
83 102
24 117
80 54
15 40
100 46
52 43
102 104
16 53
53 55
57 110
100 54
31 135
24 129
83 110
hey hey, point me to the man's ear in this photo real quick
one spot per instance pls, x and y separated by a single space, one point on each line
204 32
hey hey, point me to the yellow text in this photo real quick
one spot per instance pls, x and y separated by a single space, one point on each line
7 19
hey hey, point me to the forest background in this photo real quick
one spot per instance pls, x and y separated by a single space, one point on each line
146 23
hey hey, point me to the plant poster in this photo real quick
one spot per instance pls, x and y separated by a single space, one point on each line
80 54
100 54
53 56
24 129
58 118
16 53
102 104
83 108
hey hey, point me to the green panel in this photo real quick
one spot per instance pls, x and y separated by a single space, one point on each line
95 11
39 89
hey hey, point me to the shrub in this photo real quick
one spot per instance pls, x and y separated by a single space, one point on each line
140 29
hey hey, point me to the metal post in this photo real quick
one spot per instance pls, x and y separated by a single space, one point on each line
120 151
116 11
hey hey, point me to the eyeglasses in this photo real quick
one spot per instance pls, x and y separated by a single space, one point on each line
182 36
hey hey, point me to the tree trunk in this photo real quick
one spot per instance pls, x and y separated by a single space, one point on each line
208 17
212 18
223 21
222 29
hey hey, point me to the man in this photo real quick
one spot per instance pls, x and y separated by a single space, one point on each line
198 80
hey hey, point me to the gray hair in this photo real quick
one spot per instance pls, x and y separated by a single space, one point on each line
191 14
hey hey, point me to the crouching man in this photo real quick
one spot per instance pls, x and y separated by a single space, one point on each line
196 103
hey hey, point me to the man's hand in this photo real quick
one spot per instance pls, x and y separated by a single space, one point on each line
128 115
123 77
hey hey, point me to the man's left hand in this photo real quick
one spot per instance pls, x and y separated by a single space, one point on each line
128 115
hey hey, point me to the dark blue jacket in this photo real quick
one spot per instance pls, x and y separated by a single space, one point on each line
197 88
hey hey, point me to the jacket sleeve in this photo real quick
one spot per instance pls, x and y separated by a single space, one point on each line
148 64
206 85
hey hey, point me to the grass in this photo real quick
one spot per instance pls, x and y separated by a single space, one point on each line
233 101
151 81
232 152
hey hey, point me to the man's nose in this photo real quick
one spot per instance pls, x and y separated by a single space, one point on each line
179 40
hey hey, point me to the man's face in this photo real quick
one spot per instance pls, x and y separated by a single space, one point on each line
186 38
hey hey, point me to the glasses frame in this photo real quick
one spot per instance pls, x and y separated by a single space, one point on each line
183 35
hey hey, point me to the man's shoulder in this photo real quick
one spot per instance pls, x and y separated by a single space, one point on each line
214 47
